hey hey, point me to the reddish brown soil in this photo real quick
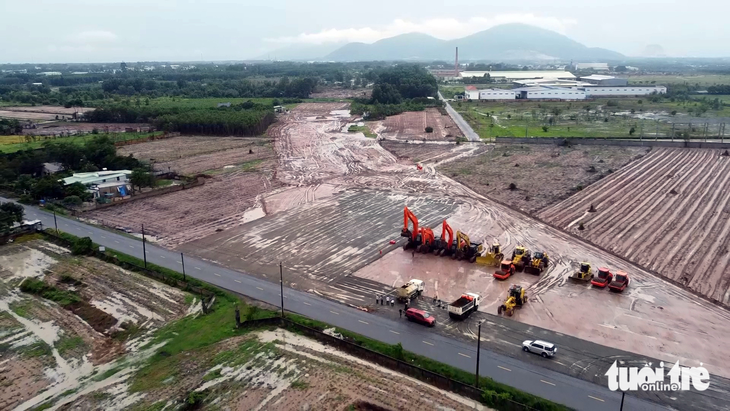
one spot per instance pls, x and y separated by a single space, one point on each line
177 148
669 212
412 125
251 155
191 214
542 174
50 109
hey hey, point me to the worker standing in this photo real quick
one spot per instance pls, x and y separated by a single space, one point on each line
406 305
400 313
392 302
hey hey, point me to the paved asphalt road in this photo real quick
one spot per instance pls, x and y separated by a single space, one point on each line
561 388
459 120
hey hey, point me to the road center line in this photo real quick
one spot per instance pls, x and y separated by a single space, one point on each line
197 268
103 237
335 313
305 303
162 256
131 246
394 332
116 241
504 368
464 355
237 281
595 398
426 342
364 322
259 288
217 274
547 382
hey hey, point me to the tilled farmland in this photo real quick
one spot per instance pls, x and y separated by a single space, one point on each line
411 125
669 212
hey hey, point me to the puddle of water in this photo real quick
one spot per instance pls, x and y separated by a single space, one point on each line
26 263
253 214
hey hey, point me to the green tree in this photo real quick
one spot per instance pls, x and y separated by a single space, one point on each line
72 201
10 213
141 178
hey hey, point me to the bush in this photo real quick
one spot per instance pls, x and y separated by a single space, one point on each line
49 292
72 201
612 103
82 246
545 128
632 130
429 129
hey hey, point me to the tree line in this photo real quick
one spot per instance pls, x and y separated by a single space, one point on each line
398 89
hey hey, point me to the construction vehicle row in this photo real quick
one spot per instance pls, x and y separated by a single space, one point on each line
522 260
422 239
602 278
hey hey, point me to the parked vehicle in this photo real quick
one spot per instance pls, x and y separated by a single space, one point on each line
464 306
620 281
420 316
411 290
603 278
543 348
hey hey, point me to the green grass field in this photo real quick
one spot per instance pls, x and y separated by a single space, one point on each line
584 119
362 129
78 140
198 103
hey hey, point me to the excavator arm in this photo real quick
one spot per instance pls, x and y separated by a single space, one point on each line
446 229
462 240
427 236
408 215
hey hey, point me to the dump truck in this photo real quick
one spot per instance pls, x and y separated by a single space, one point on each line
620 281
515 299
521 257
493 257
538 263
410 290
464 306
584 273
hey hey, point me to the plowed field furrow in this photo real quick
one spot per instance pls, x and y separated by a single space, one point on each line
683 236
622 198
654 193
594 193
673 220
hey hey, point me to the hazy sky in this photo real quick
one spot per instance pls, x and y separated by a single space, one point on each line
142 30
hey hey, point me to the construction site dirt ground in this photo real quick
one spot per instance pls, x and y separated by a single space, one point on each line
325 239
411 125
669 212
542 174
48 350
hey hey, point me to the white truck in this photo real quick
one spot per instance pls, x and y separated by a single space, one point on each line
464 306
410 290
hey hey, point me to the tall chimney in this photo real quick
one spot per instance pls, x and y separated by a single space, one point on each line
456 63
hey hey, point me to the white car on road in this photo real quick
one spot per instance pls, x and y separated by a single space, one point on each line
544 348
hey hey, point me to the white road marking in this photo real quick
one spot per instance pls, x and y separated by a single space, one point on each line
259 288
131 246
506 369
103 237
162 256
364 322
197 268
426 342
116 241
217 274
464 355
335 313
547 382
305 303
561 363
394 332
595 398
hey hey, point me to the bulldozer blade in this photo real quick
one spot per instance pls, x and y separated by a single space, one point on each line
532 270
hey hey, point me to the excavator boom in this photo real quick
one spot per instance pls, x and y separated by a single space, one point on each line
408 215
446 229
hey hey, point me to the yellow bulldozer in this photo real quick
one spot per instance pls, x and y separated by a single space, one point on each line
538 263
585 273
516 299
493 257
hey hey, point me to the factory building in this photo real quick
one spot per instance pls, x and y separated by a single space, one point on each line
548 93
592 66
628 91
511 76
497 94
605 81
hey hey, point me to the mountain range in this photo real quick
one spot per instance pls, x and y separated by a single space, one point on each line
505 42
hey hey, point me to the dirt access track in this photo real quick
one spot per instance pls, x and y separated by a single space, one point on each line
348 202
411 125
669 212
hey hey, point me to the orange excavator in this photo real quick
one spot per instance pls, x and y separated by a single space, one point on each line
422 239
445 245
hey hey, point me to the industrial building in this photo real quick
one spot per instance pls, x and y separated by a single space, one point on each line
548 93
511 76
497 94
592 66
605 81
628 91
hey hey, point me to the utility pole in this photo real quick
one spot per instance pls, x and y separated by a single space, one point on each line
656 134
479 343
55 221
144 248
623 394
281 283
182 260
